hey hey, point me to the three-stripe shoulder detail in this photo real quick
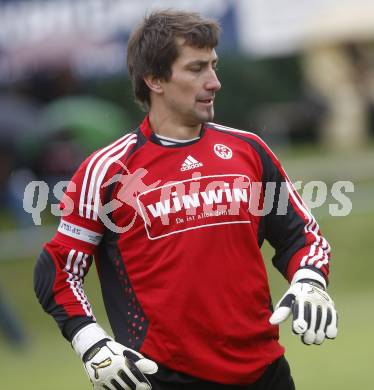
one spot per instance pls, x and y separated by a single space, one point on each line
95 173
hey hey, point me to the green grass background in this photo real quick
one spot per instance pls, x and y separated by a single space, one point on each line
48 362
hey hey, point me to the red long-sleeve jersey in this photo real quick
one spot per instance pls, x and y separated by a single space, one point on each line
176 233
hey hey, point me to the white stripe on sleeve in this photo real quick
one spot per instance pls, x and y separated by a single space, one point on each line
88 169
94 185
103 172
75 272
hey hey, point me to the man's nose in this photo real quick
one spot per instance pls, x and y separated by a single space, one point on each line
213 84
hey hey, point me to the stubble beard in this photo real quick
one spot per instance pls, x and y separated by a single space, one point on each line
195 117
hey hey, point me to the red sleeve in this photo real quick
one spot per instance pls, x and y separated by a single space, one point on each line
60 270
65 260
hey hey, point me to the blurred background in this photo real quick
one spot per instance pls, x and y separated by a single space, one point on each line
298 73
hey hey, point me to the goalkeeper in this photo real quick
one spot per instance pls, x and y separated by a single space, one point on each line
169 213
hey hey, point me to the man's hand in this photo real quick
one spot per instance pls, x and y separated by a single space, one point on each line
314 314
110 365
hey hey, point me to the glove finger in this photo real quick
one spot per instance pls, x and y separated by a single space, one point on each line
328 318
124 382
286 301
131 354
331 329
147 366
136 375
308 337
302 315
312 325
119 384
299 326
128 381
295 315
280 315
106 387
318 317
310 315
320 335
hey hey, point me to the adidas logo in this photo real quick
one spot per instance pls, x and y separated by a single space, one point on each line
190 163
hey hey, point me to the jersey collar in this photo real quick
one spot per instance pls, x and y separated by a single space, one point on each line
145 128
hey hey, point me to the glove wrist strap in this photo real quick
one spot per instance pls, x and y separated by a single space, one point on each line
87 337
313 283
307 273
92 351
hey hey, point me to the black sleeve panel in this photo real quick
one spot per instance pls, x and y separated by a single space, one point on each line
281 226
73 325
44 277
285 232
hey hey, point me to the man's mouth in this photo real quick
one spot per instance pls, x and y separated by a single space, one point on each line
206 101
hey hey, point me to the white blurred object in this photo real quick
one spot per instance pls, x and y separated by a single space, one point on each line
274 28
349 21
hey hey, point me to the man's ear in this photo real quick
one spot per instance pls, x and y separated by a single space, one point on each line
154 84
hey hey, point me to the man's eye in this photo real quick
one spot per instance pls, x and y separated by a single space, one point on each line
196 69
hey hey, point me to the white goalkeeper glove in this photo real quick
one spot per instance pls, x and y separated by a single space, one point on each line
108 364
314 314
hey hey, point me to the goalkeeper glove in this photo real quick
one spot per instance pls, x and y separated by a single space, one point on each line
108 364
314 314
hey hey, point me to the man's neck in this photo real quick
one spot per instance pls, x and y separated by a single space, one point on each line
167 126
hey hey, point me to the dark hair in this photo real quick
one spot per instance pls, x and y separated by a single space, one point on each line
153 48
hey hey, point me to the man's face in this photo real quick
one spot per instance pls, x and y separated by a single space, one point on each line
189 94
